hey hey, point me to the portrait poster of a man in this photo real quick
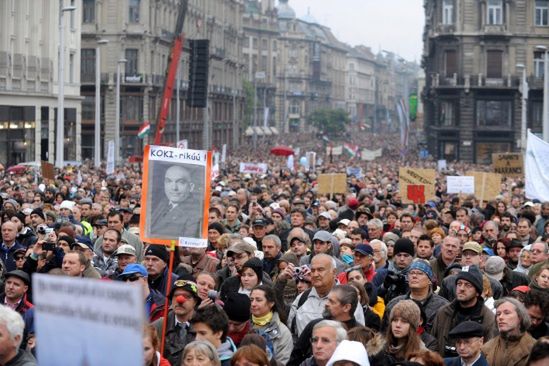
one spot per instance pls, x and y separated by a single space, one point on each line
175 194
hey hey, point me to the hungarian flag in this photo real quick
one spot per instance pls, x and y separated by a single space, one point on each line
351 149
144 130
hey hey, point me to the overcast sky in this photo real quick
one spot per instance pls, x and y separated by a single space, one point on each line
393 25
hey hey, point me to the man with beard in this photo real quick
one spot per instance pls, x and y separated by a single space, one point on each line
540 223
513 252
505 222
341 305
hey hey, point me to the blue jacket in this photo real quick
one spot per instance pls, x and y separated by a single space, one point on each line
456 361
7 255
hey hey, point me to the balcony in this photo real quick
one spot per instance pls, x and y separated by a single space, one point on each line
89 78
475 81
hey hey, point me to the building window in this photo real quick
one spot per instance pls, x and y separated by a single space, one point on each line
134 10
542 12
448 12
88 11
294 108
494 113
87 65
450 63
494 64
495 12
71 68
539 64
535 120
72 15
449 150
132 59
447 115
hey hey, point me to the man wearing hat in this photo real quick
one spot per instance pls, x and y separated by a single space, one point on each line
16 286
324 221
513 252
468 337
37 217
259 227
156 262
125 255
199 261
237 307
420 282
136 274
184 300
468 305
496 269
364 257
322 243
471 255
238 254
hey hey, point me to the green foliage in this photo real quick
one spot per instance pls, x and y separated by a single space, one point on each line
249 91
331 122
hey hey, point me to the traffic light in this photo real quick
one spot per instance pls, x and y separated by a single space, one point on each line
197 95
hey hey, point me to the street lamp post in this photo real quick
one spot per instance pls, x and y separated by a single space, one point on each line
117 117
97 142
61 91
524 91
545 92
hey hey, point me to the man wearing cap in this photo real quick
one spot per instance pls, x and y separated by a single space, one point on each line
156 262
16 286
105 262
420 282
237 254
364 255
237 307
468 305
37 217
259 228
468 337
199 261
323 243
25 235
471 256
136 274
125 255
99 225
513 253
496 269
323 221
184 300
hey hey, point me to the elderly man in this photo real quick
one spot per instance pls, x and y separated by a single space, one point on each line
11 336
327 335
272 247
156 262
310 304
9 245
469 340
178 213
450 250
380 253
513 344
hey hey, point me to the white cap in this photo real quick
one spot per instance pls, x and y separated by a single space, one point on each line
67 204
350 351
344 222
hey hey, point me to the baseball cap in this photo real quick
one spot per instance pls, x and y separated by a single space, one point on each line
364 249
188 286
259 222
323 235
344 222
326 215
472 246
134 268
125 249
240 247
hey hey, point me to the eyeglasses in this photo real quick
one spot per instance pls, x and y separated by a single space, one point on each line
133 278
19 257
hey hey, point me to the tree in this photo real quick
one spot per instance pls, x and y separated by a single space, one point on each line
331 122
249 92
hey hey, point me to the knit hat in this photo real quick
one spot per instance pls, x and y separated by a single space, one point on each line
68 239
158 251
12 202
471 274
404 245
494 267
255 265
38 211
408 311
21 216
217 226
424 267
237 306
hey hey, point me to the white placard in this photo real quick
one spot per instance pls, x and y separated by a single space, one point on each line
193 243
458 184
110 157
180 156
224 153
78 319
183 144
253 168
441 165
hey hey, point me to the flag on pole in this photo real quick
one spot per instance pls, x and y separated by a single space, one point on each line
351 149
536 169
144 130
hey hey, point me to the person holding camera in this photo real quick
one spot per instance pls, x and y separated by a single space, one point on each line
394 281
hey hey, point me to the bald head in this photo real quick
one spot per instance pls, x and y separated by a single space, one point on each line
177 184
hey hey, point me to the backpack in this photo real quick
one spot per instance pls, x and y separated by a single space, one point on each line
300 303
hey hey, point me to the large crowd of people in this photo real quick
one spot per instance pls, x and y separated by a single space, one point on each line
291 276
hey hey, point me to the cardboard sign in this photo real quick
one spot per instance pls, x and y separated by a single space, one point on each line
253 168
332 183
48 170
487 185
416 185
176 195
458 184
69 310
508 164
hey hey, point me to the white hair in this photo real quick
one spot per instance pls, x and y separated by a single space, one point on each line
13 322
382 247
341 333
324 255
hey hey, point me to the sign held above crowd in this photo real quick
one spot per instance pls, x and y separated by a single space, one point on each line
416 185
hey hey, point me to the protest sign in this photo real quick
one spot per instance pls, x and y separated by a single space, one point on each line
78 320
332 183
253 168
183 144
176 191
334 150
459 184
110 157
311 158
487 185
441 165
508 164
370 155
48 170
416 185
354 171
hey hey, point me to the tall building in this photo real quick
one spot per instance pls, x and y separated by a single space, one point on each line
29 87
360 91
473 53
140 32
312 72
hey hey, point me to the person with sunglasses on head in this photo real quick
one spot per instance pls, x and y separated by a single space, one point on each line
154 301
184 300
